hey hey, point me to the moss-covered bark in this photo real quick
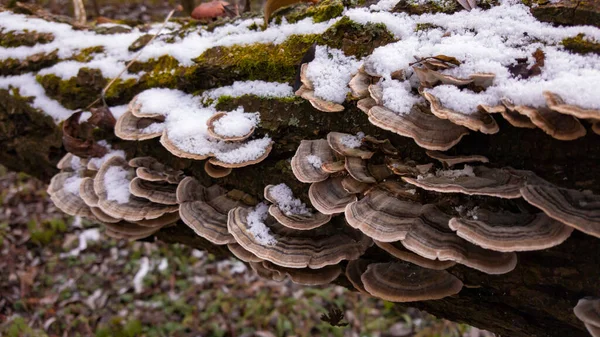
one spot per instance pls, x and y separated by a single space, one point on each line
536 299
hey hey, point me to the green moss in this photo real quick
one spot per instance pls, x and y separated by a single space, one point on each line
580 45
410 7
33 63
43 233
258 61
87 54
356 39
321 12
76 92
162 72
12 39
326 10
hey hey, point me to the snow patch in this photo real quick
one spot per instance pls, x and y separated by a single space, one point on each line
284 199
467 171
257 227
257 88
351 141
330 72
71 184
116 182
315 161
236 123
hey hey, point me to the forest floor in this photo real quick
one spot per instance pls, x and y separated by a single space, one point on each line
63 277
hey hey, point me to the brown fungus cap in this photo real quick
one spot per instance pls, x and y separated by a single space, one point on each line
512 116
396 249
483 80
306 276
483 181
215 171
129 229
150 169
310 155
129 127
596 127
556 103
571 207
103 217
329 196
588 311
391 282
334 167
318 103
134 209
161 221
477 121
217 162
210 128
64 192
555 124
366 104
354 270
510 232
428 131
354 186
383 216
316 248
242 254
357 168
155 191
433 239
87 193
359 84
137 109
342 143
376 92
204 212
294 220
168 144
450 161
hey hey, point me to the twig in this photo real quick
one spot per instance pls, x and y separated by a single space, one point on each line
103 93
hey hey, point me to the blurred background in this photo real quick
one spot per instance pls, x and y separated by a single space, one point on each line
61 276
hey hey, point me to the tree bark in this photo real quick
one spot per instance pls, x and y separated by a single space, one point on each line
536 299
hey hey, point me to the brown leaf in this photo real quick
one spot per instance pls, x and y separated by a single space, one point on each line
77 138
102 118
447 59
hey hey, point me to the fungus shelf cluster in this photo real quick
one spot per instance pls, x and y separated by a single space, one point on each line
189 130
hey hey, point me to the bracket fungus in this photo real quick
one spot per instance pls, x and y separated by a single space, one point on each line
291 212
556 103
479 180
571 207
260 234
588 311
449 161
557 125
112 187
382 215
64 192
304 276
205 210
504 231
150 169
397 250
130 127
389 281
427 130
477 121
329 196
433 239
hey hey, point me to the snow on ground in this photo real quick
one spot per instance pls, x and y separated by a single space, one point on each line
257 88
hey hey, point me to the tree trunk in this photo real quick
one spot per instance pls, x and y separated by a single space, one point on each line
536 299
